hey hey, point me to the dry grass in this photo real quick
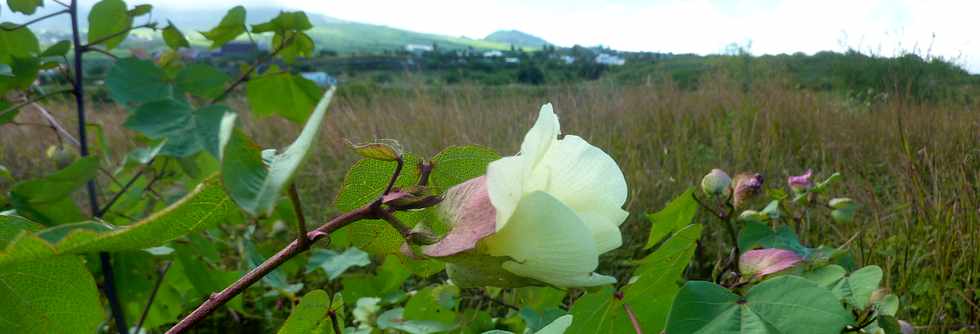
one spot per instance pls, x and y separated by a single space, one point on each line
914 167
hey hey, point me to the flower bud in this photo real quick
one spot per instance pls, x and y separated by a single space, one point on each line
878 295
716 183
801 183
62 156
844 209
747 185
752 216
761 262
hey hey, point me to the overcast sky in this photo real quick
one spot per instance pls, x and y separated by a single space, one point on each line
886 27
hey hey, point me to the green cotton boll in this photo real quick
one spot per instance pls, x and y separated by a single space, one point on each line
716 183
61 155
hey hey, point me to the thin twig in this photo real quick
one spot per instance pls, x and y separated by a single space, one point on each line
294 248
153 293
334 321
104 52
425 168
125 187
39 19
298 210
394 177
629 313
32 100
88 47
245 75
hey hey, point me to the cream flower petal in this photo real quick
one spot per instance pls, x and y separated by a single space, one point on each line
547 242
542 135
505 186
558 326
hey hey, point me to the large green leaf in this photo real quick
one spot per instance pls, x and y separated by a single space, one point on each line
27 7
435 303
787 304
16 43
109 18
677 214
47 200
204 207
256 178
49 296
201 80
283 22
133 80
649 296
231 26
455 165
395 319
307 314
187 131
334 264
855 287
290 96
365 181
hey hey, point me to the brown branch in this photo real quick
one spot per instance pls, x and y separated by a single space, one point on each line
39 19
298 210
294 248
32 100
629 313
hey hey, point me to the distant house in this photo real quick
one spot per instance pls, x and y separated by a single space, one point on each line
512 60
567 59
236 49
608 59
493 54
418 48
321 79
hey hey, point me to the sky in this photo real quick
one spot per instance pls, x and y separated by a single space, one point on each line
946 28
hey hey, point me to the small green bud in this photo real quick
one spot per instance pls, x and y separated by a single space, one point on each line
844 209
61 155
716 183
752 216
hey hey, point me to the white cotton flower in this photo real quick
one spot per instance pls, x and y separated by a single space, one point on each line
548 211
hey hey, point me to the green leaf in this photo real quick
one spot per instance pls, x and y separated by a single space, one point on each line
290 96
50 296
48 199
759 235
862 283
434 303
456 164
649 296
255 178
57 49
16 43
305 316
383 150
395 319
389 279
27 7
284 21
232 25
133 80
335 264
293 45
786 304
173 37
677 214
24 72
202 80
205 207
140 10
7 114
109 18
137 272
11 226
187 131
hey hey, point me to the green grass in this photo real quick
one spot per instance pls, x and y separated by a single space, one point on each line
915 168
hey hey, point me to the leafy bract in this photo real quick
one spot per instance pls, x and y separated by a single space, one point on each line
133 80
16 43
455 165
27 7
677 214
288 95
109 23
47 200
305 316
256 178
786 304
649 296
231 26
204 207
49 296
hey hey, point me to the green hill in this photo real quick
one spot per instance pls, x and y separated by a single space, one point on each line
517 38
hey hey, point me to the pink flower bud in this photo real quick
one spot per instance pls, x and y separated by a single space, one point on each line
801 183
762 262
747 185
468 209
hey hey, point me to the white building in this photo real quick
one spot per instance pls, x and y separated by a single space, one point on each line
493 53
418 48
321 79
512 60
567 59
608 59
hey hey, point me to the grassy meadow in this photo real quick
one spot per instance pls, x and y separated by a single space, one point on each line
914 167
